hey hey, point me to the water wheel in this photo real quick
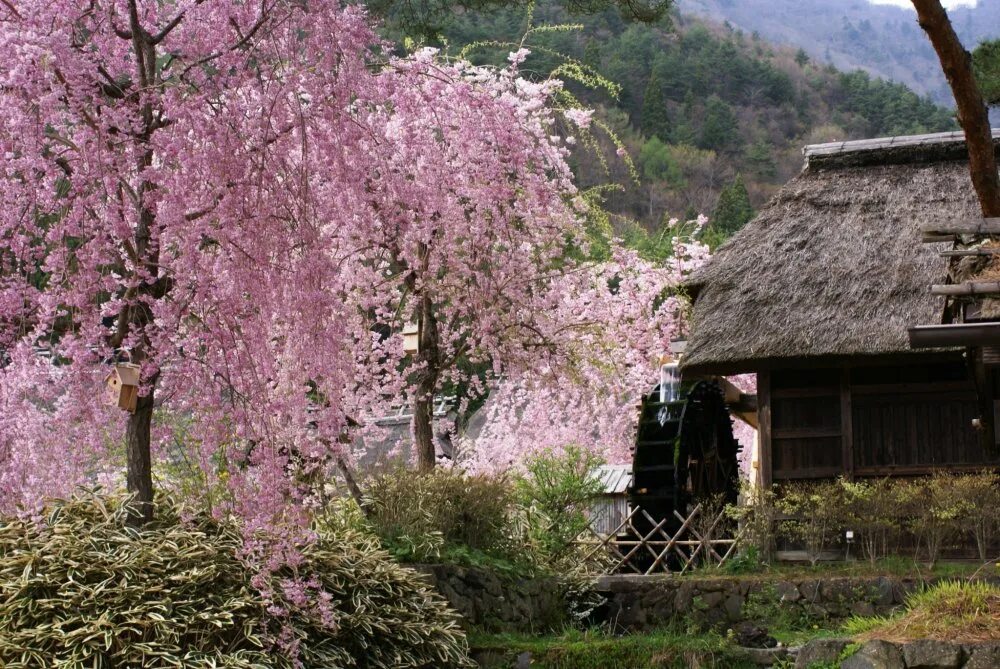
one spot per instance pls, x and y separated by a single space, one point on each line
707 453
684 453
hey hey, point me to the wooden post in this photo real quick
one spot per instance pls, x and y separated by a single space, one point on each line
764 433
846 424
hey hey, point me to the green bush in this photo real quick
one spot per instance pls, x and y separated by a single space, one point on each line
81 589
933 512
418 516
871 510
814 515
557 491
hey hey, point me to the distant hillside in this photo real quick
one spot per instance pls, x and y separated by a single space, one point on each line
884 40
714 117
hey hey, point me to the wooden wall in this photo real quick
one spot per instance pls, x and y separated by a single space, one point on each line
868 421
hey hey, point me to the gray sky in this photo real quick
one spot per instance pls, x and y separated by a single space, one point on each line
906 3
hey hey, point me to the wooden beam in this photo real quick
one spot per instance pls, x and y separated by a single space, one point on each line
967 288
928 238
962 253
969 226
846 424
955 334
764 433
804 433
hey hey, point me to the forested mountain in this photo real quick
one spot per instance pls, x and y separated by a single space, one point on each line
883 39
714 117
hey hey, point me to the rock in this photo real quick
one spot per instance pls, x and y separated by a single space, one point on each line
863 609
749 635
523 661
930 654
876 655
820 651
708 600
983 656
734 607
883 595
809 590
765 657
787 591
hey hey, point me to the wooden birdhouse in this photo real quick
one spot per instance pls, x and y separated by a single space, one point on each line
123 386
411 338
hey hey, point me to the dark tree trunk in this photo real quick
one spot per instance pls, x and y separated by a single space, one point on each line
138 315
140 476
972 113
423 405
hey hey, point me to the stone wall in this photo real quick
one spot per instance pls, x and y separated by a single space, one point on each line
645 602
497 603
922 654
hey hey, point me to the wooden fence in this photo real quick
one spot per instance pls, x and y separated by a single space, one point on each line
642 545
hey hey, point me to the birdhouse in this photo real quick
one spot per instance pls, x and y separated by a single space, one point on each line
411 338
123 386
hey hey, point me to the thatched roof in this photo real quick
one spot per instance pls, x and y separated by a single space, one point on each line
833 267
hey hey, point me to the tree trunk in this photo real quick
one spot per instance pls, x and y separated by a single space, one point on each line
140 477
423 405
973 115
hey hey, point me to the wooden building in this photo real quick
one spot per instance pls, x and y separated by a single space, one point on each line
815 296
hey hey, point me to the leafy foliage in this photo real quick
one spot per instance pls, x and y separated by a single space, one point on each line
417 516
732 212
986 63
79 588
814 513
558 488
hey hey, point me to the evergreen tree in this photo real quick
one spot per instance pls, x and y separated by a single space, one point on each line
718 130
760 159
733 209
986 61
655 120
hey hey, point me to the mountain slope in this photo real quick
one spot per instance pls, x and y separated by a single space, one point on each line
884 40
705 110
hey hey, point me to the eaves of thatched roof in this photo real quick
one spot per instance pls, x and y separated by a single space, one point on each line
833 267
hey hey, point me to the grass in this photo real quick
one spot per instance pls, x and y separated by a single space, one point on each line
957 611
593 649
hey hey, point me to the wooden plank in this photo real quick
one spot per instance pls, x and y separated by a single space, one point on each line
928 238
968 288
913 388
970 226
795 393
764 420
962 253
846 426
921 470
808 473
804 433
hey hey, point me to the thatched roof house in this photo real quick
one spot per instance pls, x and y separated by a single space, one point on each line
816 295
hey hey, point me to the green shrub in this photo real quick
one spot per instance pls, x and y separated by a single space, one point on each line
755 516
871 509
420 515
558 489
981 493
81 589
935 510
814 515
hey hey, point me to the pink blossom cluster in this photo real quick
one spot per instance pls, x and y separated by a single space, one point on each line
618 318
